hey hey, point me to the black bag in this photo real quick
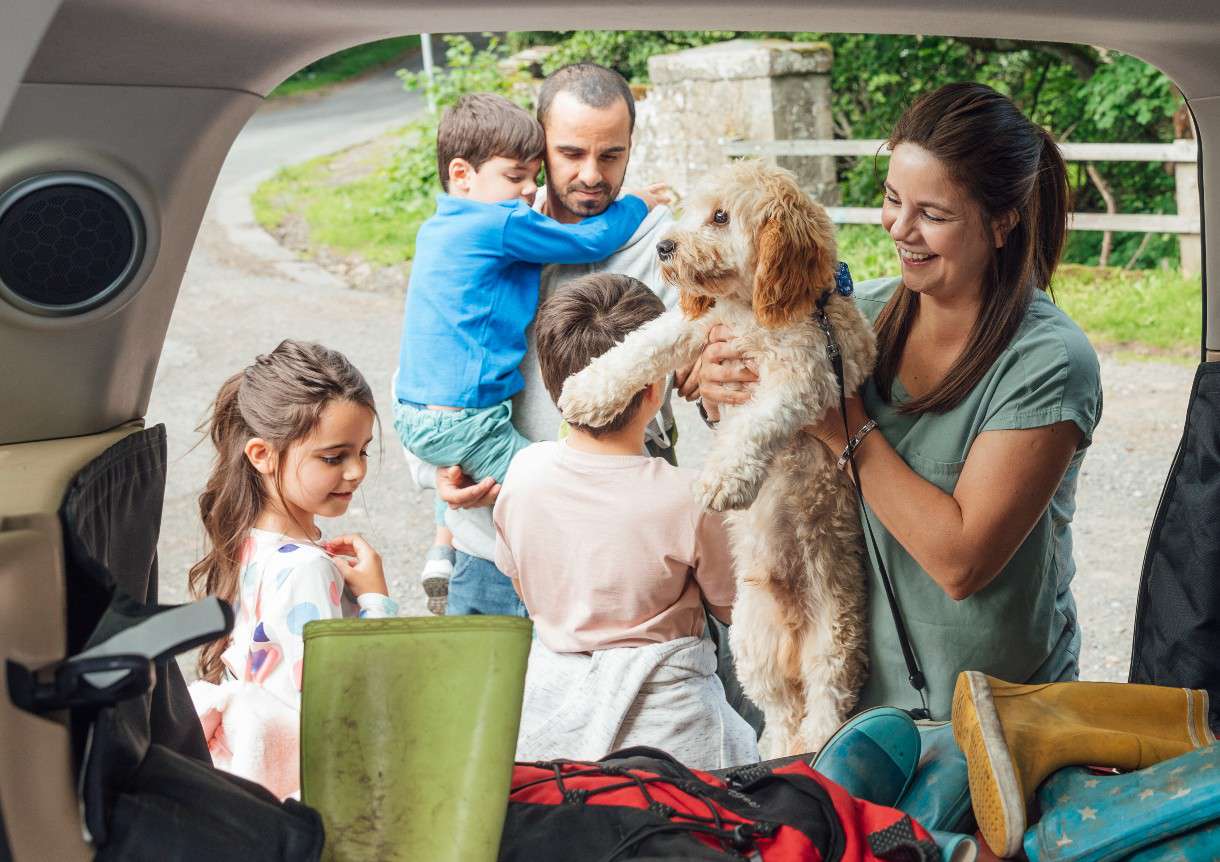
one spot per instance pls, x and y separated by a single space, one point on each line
176 808
111 517
1177 616
148 787
640 803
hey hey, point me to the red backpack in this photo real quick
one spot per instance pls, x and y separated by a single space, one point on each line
640 803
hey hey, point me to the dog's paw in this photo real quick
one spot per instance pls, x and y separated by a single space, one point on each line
584 402
820 723
721 493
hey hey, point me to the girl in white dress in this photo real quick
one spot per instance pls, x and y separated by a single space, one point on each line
291 434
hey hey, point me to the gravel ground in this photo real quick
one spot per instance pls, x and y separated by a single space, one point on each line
1120 485
242 293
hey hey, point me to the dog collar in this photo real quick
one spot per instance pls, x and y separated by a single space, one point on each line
843 283
844 286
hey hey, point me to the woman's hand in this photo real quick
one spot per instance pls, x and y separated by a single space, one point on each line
359 564
724 375
829 429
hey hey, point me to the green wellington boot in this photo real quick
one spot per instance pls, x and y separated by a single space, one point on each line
408 730
1014 736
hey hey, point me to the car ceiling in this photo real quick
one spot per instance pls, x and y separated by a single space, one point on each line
239 45
151 93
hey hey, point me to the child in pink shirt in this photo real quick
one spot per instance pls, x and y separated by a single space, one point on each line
615 562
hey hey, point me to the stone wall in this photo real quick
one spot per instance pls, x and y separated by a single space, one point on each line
757 90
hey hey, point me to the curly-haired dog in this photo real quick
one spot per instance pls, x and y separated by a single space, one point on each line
754 252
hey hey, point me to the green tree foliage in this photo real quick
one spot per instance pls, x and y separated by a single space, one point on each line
1078 92
411 177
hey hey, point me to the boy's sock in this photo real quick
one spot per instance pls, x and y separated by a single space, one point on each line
438 569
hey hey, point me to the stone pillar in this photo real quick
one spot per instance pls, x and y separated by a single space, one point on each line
1186 191
758 90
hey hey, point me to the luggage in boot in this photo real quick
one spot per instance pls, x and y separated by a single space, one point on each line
145 780
641 804
1176 637
885 757
1014 736
1203 843
408 730
1087 817
939 794
175 808
142 800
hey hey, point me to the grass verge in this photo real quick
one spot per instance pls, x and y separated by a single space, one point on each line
340 200
345 65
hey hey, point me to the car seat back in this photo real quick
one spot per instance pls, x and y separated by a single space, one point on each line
38 802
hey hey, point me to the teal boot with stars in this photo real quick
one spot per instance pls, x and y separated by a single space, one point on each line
1087 817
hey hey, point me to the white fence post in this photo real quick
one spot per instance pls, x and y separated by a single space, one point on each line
1186 190
425 43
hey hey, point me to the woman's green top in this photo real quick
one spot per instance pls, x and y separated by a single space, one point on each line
1022 626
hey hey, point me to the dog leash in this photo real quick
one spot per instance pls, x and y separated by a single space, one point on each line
844 287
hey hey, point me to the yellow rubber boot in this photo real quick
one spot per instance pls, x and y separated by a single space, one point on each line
1014 736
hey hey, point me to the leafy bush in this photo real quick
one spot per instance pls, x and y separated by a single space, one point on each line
411 178
628 50
1078 92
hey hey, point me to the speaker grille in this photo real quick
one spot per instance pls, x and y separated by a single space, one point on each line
68 242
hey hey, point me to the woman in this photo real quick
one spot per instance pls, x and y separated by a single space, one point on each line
985 396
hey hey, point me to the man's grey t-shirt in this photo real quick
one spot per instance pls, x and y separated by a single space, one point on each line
534 414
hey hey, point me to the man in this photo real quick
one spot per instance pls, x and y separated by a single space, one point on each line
588 114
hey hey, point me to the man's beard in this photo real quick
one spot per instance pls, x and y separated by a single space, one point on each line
584 207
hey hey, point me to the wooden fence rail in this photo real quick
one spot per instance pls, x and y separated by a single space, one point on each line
1178 151
1183 154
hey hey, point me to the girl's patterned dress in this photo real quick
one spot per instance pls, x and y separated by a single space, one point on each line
251 717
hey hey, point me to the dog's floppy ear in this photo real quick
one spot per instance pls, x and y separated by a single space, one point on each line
695 306
796 259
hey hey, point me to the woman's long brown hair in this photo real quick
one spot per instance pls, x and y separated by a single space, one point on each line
279 398
1006 164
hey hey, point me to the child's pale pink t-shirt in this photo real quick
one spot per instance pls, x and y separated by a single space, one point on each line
609 550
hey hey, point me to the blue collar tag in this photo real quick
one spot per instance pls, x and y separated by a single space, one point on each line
843 283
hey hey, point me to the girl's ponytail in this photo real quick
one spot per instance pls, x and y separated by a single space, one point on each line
229 505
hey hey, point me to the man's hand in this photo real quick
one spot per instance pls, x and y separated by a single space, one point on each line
455 488
657 194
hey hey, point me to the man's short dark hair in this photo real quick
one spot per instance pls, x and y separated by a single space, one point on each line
481 126
592 85
581 321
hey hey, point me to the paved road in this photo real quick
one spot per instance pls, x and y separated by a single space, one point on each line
286 132
242 293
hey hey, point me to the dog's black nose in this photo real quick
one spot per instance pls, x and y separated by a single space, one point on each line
665 248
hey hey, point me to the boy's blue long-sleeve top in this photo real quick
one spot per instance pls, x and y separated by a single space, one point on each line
474 290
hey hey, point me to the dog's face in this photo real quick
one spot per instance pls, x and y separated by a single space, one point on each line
749 232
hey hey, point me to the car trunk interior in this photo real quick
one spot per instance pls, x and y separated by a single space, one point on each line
151 94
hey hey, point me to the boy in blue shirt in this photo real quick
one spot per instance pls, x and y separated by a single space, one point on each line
474 290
